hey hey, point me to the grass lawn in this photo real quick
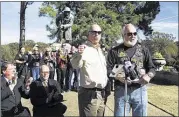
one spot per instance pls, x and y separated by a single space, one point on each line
165 97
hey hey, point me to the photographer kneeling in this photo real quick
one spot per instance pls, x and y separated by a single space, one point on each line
135 64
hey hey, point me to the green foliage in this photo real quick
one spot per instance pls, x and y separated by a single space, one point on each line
165 45
157 55
166 68
6 53
160 42
9 51
148 10
48 10
111 16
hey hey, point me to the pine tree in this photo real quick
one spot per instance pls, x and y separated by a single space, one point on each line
111 16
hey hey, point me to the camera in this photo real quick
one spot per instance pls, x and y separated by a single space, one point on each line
130 70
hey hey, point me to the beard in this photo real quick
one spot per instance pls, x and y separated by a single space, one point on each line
130 43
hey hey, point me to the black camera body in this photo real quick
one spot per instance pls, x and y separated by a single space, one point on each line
131 70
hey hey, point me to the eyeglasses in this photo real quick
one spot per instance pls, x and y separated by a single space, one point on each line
130 34
95 32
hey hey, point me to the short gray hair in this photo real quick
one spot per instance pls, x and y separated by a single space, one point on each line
124 28
43 66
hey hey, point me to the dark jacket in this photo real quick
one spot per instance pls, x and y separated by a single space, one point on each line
39 97
21 57
113 58
34 60
11 101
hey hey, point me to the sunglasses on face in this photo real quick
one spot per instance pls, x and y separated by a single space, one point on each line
95 32
130 34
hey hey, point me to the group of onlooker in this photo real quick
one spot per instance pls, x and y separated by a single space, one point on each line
28 65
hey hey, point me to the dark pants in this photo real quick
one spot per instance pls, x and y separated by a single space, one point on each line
91 103
61 77
76 74
50 111
52 73
69 74
21 70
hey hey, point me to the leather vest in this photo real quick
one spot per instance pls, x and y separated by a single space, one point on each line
137 58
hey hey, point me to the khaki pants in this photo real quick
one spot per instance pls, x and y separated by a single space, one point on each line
91 103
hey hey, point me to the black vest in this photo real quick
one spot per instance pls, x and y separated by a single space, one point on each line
137 58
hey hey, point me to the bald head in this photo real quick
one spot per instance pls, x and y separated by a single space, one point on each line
94 35
95 27
129 35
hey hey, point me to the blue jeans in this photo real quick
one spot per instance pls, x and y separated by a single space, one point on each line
136 100
35 72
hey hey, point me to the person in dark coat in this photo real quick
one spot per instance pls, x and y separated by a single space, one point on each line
21 63
137 69
61 60
12 89
45 96
49 60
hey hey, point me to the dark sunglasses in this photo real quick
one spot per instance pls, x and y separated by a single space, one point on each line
130 34
95 32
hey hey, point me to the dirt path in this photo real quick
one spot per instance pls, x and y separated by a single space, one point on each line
72 104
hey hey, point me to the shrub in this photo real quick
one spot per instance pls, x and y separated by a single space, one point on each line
166 68
158 55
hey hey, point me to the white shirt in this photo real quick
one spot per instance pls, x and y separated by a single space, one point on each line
11 85
92 64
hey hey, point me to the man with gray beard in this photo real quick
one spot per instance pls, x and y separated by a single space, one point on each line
137 68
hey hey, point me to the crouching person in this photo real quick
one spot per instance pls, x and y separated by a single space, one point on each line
12 89
45 96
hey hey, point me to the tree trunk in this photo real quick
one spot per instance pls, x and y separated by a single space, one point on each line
22 25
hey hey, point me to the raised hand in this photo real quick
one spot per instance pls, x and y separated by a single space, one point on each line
81 48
